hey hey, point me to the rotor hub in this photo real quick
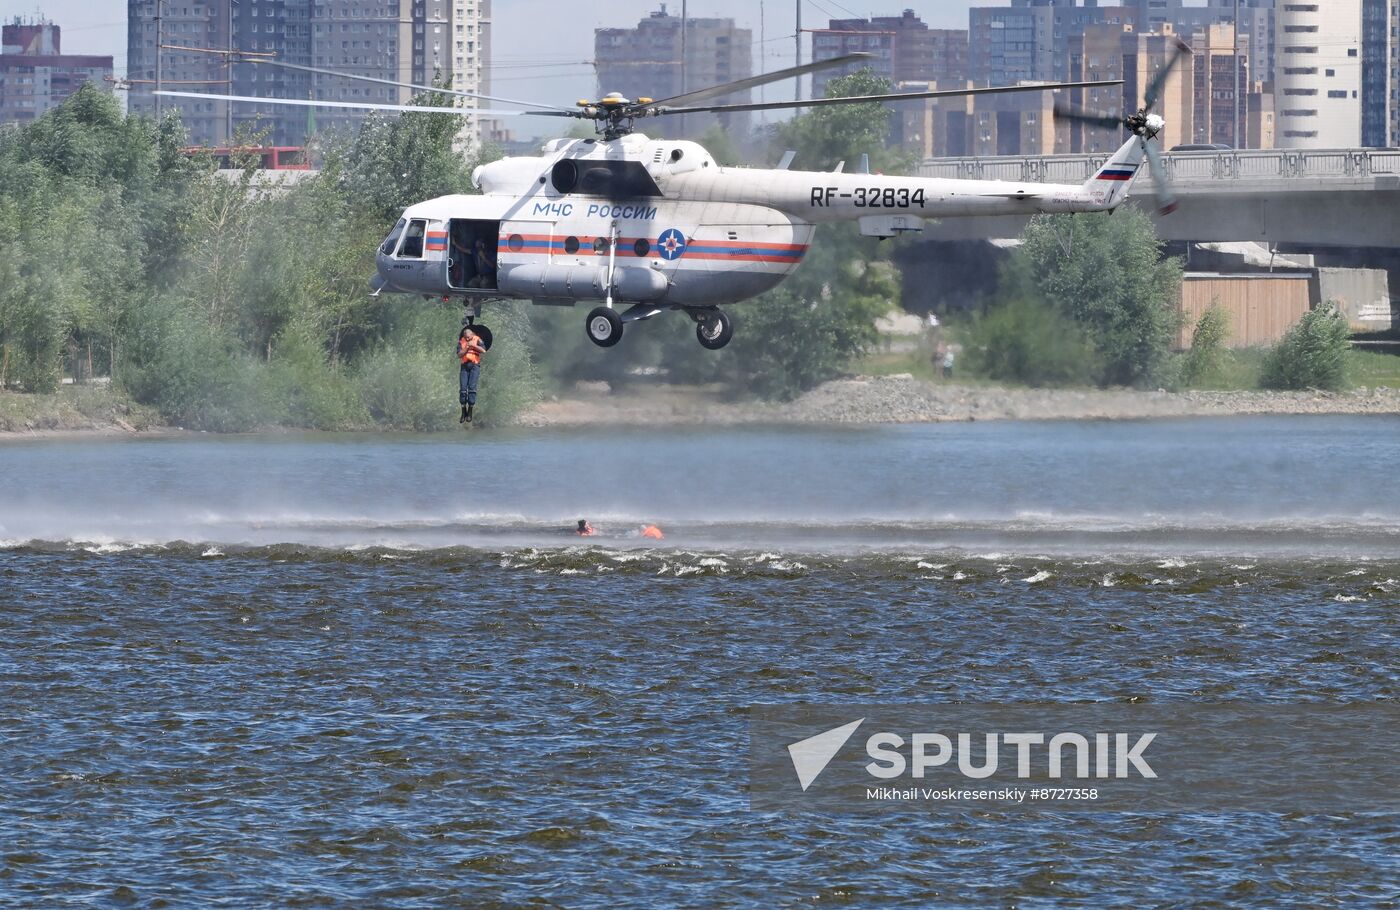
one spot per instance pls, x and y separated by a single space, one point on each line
1145 124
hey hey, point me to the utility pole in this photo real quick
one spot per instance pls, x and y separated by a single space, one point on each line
228 71
762 53
160 39
684 125
1236 62
797 92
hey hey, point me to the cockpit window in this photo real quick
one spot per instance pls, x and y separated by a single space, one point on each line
387 247
413 240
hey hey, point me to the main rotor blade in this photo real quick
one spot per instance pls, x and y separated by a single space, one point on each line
1094 118
421 88
358 105
729 88
1154 88
1166 198
894 96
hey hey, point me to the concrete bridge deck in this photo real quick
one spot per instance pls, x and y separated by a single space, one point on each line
1338 197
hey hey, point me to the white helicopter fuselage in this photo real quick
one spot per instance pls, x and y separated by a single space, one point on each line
659 223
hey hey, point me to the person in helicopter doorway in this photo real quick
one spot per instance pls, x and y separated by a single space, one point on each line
469 351
484 264
463 270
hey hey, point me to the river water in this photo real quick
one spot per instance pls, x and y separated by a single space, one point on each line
379 671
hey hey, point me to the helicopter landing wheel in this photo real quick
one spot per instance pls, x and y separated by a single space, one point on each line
714 329
604 327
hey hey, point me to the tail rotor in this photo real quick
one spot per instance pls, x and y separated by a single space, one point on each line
1145 124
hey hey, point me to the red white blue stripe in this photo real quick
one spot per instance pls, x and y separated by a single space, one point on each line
1118 172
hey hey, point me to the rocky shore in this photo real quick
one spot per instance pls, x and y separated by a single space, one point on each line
74 411
863 400
904 399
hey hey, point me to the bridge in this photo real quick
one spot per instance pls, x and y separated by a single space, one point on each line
1330 198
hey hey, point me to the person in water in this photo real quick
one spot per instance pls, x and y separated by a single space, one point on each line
584 528
469 351
652 532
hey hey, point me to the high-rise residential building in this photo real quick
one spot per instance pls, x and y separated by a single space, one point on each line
35 75
1318 91
1395 75
1013 124
1220 67
1119 51
1378 42
1095 54
1257 27
1144 57
904 49
197 25
407 41
1012 44
647 61
1261 124
284 28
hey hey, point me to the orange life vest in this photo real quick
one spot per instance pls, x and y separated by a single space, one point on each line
653 532
469 350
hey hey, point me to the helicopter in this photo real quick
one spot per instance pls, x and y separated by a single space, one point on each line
656 225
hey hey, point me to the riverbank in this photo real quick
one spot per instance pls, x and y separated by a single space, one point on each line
84 411
905 399
75 410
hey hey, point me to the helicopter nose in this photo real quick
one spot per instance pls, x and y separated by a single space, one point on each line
380 279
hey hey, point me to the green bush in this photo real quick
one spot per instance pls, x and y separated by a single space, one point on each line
190 373
510 382
30 343
309 392
1107 274
185 286
409 388
1312 355
1208 358
1030 342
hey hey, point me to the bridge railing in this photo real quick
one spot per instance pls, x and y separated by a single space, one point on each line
1185 166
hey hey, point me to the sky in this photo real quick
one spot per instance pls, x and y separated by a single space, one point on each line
540 47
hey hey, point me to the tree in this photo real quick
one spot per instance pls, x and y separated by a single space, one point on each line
232 306
1208 356
395 162
807 329
1031 342
1108 275
827 135
1313 353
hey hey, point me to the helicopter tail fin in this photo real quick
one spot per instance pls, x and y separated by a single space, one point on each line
1110 183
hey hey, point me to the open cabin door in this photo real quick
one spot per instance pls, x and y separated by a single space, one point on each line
471 254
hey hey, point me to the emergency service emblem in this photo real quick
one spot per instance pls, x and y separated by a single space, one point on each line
671 244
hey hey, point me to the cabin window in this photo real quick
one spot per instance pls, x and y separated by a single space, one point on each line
515 243
641 247
413 240
600 245
387 247
571 245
